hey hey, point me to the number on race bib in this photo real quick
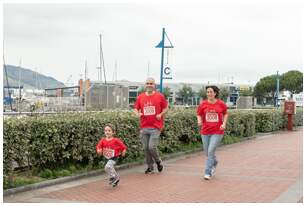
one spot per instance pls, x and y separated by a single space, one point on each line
212 117
149 110
108 153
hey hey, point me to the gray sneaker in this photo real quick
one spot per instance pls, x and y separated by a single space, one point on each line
149 171
115 182
159 166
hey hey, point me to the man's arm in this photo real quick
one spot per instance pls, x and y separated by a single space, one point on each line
165 110
137 112
160 115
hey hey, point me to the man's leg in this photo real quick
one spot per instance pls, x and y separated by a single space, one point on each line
145 138
153 142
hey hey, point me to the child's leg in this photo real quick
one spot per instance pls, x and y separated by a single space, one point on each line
110 168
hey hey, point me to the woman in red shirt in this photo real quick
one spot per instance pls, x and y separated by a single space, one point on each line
212 117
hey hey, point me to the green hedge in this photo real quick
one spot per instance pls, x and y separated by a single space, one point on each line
274 119
53 141
50 142
269 120
240 124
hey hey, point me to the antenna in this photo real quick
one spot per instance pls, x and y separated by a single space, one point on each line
86 70
148 74
7 82
19 76
115 72
102 61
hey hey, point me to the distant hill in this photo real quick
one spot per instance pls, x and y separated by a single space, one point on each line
29 79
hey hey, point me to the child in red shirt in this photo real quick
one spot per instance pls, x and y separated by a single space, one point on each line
111 148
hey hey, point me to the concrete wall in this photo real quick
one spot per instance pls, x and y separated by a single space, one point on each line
109 96
244 102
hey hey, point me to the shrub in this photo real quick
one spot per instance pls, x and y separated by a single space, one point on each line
46 173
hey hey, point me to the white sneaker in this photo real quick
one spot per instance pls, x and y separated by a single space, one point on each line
207 177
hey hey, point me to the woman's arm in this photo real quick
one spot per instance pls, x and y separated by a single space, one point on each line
223 126
200 122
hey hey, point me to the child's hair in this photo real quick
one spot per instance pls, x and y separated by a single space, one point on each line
111 126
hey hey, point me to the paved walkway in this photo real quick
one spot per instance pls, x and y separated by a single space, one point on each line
265 169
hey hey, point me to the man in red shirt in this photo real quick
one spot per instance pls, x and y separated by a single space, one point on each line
151 107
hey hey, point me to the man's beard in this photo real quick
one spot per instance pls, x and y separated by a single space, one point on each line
149 89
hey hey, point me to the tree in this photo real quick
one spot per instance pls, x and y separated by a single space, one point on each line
202 93
141 89
248 92
292 81
167 92
185 92
223 94
266 86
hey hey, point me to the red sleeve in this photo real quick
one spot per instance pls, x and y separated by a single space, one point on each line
200 110
137 103
99 145
164 102
121 144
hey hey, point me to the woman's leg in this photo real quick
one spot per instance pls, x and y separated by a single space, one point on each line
214 142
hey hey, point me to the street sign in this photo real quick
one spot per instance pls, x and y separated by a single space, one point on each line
167 73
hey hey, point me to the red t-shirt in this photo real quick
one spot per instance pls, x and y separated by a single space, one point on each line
150 106
111 148
212 116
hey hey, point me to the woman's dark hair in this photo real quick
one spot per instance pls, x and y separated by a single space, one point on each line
215 88
111 126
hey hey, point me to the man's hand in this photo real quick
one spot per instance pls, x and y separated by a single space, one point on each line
123 153
159 116
138 114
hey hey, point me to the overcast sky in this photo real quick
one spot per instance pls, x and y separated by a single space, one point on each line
215 41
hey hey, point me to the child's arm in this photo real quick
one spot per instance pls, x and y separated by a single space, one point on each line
123 147
99 147
123 153
99 151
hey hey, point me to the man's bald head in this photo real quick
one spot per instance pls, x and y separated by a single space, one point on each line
150 84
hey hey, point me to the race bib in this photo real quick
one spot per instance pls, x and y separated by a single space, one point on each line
212 117
108 153
149 110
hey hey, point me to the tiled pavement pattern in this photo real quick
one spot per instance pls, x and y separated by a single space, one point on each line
257 170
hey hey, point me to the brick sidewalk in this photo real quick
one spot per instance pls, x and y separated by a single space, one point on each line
265 169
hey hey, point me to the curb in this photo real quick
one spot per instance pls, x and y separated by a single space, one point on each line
87 174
